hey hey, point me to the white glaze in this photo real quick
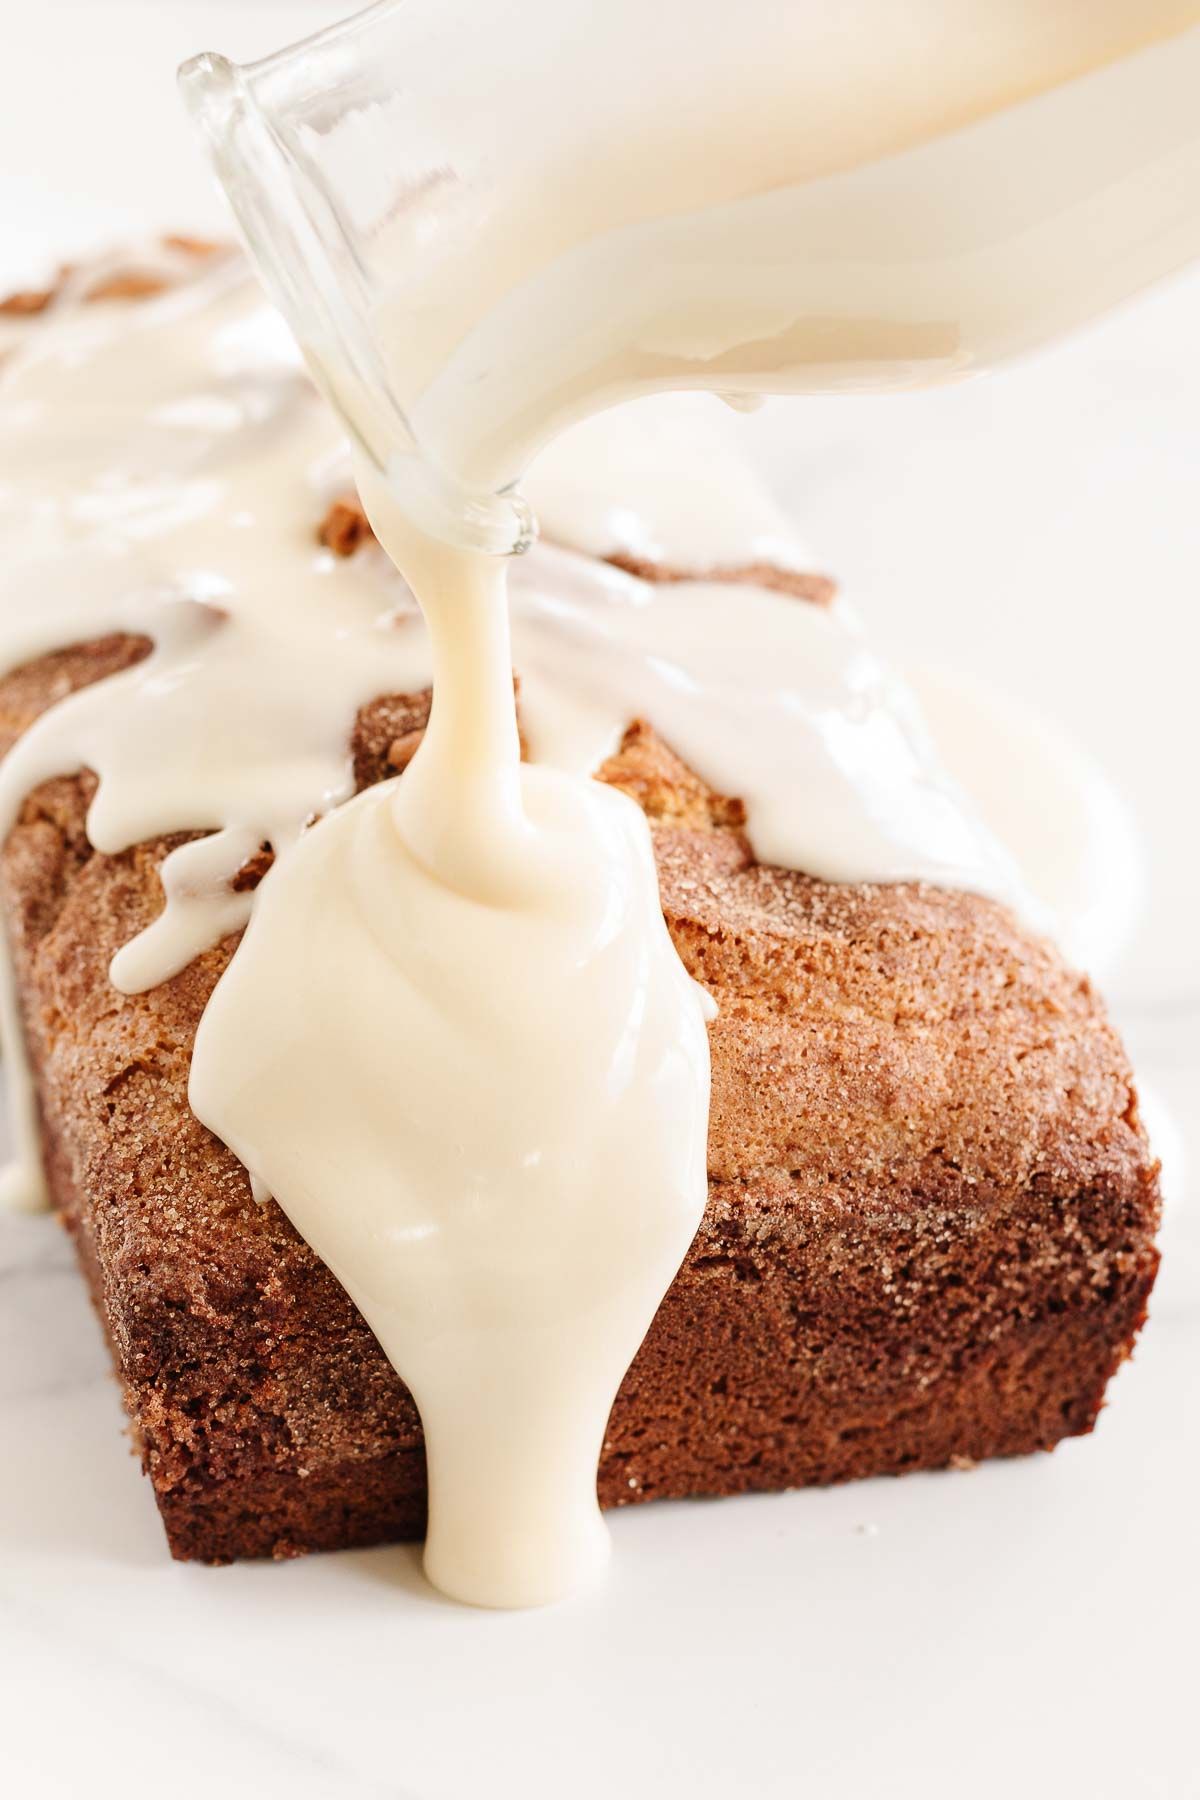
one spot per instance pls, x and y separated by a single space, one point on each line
162 470
486 1107
152 462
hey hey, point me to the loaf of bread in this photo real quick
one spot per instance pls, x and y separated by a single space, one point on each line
930 1229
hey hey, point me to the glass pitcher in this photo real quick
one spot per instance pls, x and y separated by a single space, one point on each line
485 220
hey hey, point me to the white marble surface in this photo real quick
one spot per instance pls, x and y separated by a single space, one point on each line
1023 1629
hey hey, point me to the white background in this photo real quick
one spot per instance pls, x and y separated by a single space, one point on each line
1028 1629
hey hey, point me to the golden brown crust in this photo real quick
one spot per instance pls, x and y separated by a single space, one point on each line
929 1235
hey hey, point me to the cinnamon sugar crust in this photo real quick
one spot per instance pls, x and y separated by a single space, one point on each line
930 1229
